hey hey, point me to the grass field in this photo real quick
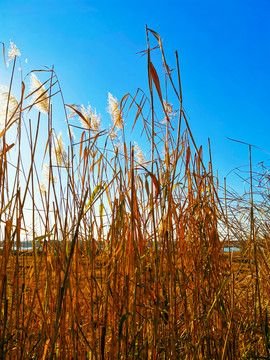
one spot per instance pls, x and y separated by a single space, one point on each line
130 258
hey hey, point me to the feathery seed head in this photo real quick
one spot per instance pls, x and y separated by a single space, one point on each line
47 175
169 113
95 119
40 97
91 121
60 154
114 111
12 113
13 52
139 155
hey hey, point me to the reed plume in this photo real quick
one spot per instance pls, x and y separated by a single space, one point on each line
139 154
89 117
59 151
8 107
48 175
12 52
115 112
39 95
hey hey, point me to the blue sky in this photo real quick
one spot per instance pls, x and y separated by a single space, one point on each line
223 47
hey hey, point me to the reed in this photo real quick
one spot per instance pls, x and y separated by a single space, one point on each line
127 257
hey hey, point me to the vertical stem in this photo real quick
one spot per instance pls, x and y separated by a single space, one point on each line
152 192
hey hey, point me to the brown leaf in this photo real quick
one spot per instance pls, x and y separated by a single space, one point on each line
81 145
187 157
156 80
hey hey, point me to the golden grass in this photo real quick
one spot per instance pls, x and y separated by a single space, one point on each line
129 261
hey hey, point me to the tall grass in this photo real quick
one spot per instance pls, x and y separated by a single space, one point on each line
127 257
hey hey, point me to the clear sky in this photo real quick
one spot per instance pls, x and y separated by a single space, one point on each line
223 46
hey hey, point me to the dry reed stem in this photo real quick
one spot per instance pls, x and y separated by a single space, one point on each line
136 268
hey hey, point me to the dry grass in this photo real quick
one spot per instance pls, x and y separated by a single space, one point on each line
127 258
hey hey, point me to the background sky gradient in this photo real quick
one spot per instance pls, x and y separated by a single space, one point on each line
223 47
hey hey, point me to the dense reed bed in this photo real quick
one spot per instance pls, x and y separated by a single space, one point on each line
127 256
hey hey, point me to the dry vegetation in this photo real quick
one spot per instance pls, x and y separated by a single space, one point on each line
127 258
